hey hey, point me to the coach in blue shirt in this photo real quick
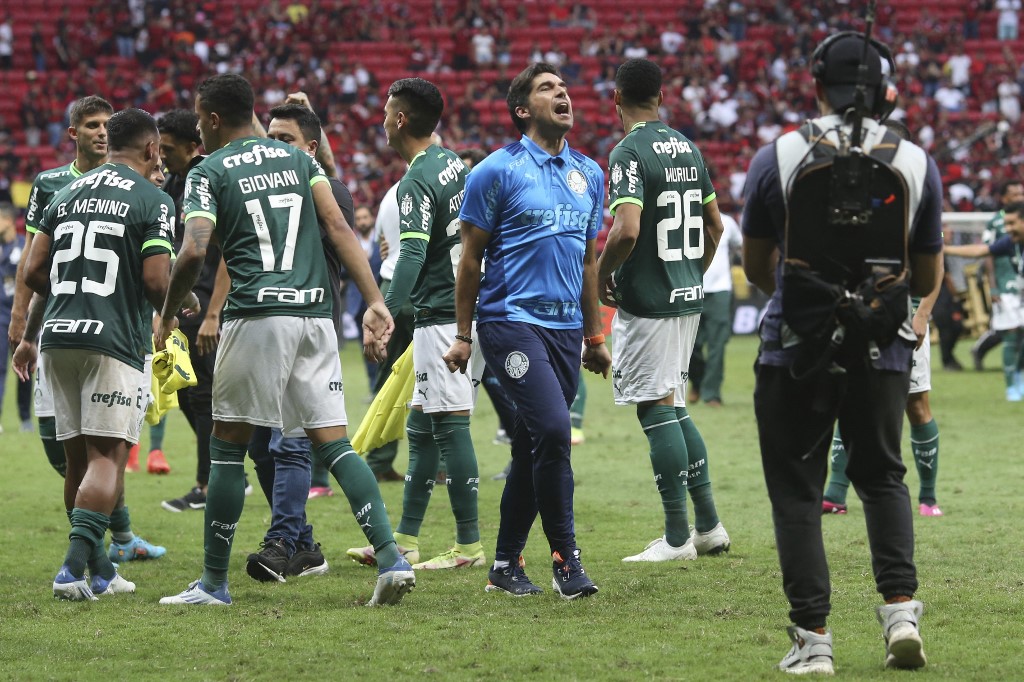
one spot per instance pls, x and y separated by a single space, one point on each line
533 209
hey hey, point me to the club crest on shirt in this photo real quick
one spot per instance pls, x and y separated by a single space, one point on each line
406 204
517 364
577 181
616 174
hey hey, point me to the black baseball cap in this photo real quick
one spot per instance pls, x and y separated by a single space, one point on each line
840 71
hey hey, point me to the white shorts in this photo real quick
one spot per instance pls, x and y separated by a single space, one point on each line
95 394
1007 313
43 397
921 366
277 371
651 357
437 389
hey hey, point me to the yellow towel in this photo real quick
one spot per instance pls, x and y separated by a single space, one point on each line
172 367
159 403
385 420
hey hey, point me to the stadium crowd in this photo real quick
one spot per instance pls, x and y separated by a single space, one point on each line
735 70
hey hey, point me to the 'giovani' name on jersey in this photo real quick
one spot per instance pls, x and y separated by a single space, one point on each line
262 181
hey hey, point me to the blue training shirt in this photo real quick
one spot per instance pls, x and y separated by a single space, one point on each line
540 211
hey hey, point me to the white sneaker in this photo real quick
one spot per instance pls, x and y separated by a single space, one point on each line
660 550
903 645
197 594
811 653
714 541
393 583
116 585
67 586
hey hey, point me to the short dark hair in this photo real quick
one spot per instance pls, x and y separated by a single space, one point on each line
87 106
229 96
421 102
522 85
308 122
638 81
7 210
130 128
181 123
1005 187
1017 208
474 155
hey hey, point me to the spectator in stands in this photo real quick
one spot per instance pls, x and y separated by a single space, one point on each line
1008 92
949 98
958 67
671 39
6 43
38 47
1007 26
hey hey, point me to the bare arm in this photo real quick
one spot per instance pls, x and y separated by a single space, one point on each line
155 275
621 240
22 295
924 309
26 353
760 258
926 272
187 268
713 231
257 127
37 271
596 357
324 153
377 321
967 250
208 335
467 288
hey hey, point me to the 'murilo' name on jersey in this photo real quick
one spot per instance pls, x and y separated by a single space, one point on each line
687 174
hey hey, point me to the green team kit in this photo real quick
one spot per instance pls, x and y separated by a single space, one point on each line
664 274
429 197
103 225
258 194
1005 267
44 187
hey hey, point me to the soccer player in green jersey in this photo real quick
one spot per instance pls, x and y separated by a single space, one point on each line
429 197
277 364
663 238
101 251
1005 295
88 129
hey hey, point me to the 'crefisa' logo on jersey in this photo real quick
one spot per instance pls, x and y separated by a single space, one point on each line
255 156
451 171
671 147
108 177
562 216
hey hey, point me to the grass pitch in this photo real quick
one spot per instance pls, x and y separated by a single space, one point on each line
714 618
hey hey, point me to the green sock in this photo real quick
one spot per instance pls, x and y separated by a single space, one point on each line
705 514
121 526
225 496
838 483
51 446
360 487
451 433
100 564
924 441
579 405
87 531
424 456
156 434
668 458
1010 358
320 476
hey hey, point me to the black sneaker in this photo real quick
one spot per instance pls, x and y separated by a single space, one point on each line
193 499
511 579
307 561
268 564
570 579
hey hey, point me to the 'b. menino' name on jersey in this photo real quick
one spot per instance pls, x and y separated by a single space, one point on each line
258 194
103 225
661 171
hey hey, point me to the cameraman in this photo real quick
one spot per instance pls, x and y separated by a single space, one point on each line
867 394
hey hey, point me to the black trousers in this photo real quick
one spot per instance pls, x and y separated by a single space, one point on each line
196 403
795 435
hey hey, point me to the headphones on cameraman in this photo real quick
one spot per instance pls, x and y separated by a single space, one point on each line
884 94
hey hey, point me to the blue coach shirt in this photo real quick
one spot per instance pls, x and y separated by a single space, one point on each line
540 211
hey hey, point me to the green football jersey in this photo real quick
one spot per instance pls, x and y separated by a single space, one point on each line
44 187
102 226
258 193
429 197
663 173
1005 266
